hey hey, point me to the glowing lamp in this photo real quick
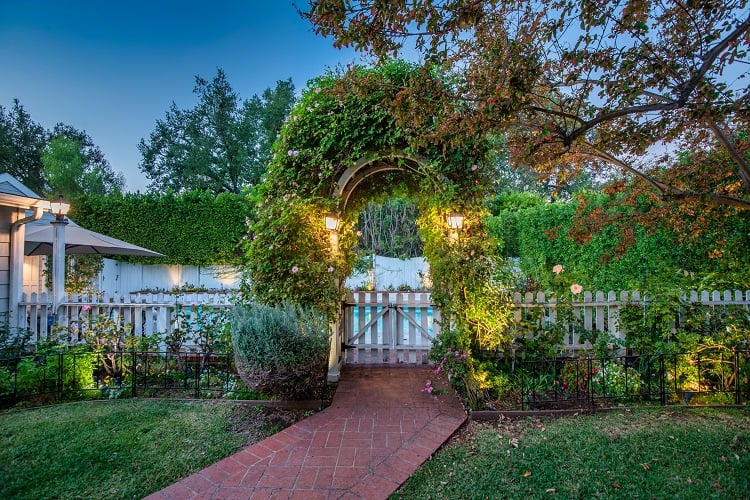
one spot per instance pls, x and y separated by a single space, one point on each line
456 220
332 222
59 207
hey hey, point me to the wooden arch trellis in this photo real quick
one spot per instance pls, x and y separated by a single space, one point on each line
341 134
371 165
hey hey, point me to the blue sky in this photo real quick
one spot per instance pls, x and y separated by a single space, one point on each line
114 68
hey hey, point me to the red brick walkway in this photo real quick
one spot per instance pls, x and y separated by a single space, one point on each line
378 430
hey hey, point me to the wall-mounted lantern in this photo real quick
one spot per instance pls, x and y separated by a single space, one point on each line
332 222
455 220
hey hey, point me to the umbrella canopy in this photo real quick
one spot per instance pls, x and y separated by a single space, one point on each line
40 234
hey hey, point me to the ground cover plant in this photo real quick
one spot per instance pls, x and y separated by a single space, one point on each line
667 453
122 449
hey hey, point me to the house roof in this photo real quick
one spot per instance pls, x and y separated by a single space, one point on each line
15 194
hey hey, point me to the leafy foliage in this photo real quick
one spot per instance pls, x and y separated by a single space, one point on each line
195 228
74 165
80 271
389 229
61 161
221 145
624 254
22 143
281 351
350 121
575 85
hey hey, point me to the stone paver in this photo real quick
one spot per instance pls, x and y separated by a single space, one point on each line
379 428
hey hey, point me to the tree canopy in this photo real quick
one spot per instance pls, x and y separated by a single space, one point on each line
22 143
576 85
73 165
221 145
61 161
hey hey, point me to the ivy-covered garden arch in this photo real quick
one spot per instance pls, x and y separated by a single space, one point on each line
342 147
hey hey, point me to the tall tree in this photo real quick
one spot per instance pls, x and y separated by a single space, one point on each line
268 113
576 84
221 145
74 165
22 142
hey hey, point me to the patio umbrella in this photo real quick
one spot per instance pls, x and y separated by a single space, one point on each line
40 234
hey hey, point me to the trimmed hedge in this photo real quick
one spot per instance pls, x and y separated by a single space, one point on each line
194 228
539 237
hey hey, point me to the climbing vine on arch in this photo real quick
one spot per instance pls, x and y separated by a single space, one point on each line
344 120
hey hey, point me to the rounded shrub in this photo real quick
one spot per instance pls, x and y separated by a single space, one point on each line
281 351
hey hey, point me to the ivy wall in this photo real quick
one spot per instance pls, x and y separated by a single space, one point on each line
544 234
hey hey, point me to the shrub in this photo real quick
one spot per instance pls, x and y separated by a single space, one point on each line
42 373
614 379
13 343
281 351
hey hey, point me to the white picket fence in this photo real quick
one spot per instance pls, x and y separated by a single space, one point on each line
397 322
599 312
147 314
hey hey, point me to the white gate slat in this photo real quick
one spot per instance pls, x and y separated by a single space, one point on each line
600 310
393 327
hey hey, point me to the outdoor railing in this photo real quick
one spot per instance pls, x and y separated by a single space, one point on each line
73 375
77 374
712 376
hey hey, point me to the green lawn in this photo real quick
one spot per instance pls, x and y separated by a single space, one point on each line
112 449
667 453
129 448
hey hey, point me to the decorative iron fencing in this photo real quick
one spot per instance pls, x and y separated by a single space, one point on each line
718 376
74 375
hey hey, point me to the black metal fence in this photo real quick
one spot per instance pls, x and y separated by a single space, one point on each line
72 375
715 376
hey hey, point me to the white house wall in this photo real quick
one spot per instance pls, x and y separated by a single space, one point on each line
6 217
33 274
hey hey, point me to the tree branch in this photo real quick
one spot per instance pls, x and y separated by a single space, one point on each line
739 158
668 191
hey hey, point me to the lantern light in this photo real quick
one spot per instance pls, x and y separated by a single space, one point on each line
456 220
60 207
332 222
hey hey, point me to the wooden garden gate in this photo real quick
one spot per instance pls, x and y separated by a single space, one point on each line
389 327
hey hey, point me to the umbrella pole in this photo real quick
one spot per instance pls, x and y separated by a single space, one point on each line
58 263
